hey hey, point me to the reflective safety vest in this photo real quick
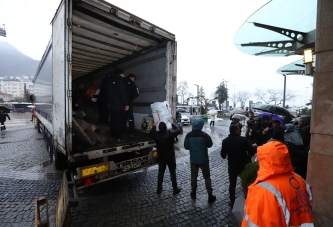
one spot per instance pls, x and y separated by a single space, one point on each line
282 200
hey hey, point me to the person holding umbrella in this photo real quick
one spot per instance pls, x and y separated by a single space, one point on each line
212 114
3 119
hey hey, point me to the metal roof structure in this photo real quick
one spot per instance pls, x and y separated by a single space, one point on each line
279 28
294 68
103 34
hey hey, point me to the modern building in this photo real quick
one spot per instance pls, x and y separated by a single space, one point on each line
15 87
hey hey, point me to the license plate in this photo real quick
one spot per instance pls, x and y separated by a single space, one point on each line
92 170
133 166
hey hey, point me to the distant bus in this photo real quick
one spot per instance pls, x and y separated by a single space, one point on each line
20 107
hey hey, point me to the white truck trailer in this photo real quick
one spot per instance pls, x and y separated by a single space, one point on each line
90 39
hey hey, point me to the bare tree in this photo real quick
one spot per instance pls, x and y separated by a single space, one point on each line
182 89
243 96
271 95
202 95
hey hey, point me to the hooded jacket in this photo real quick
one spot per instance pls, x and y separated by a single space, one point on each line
278 197
165 142
239 150
198 143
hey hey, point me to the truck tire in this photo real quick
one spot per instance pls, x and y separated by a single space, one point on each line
59 160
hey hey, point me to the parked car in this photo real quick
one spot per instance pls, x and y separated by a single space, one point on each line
185 120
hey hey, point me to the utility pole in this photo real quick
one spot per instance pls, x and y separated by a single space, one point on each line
234 97
226 86
284 91
197 94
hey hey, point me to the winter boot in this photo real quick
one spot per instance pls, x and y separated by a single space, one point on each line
176 190
211 198
193 195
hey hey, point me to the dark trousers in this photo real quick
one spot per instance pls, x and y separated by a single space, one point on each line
130 117
103 113
232 184
171 163
116 123
212 123
205 173
2 123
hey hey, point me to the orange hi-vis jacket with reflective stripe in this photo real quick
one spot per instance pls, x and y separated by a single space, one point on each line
278 197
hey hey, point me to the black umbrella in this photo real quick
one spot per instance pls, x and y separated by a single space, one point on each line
5 109
274 109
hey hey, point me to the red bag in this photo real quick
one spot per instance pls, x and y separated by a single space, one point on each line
90 93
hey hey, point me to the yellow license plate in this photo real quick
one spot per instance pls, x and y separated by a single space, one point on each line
92 170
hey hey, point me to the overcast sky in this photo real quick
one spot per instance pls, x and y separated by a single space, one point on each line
204 32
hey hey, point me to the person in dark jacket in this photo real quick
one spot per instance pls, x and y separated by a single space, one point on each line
3 119
79 101
132 93
118 104
198 143
238 149
164 140
255 133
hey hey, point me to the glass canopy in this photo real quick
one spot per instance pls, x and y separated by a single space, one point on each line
279 28
295 68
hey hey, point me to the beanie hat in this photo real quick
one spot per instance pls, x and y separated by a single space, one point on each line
278 134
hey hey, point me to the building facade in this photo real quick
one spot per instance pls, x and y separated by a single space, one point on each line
16 88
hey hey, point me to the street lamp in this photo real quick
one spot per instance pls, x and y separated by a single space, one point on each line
308 56
197 94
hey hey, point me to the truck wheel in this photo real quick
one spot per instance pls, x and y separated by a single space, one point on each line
59 160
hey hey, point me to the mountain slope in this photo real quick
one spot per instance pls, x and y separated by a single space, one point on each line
14 63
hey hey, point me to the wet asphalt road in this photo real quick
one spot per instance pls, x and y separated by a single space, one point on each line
131 200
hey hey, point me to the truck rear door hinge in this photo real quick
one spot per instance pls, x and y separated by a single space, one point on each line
69 22
68 57
69 93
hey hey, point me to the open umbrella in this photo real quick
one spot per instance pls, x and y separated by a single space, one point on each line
240 117
273 116
237 111
212 112
5 109
274 110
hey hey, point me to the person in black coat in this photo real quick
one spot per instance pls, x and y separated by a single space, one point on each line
166 153
132 93
3 119
238 149
254 132
118 104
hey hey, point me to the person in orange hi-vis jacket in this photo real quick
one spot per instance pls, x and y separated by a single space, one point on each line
278 197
